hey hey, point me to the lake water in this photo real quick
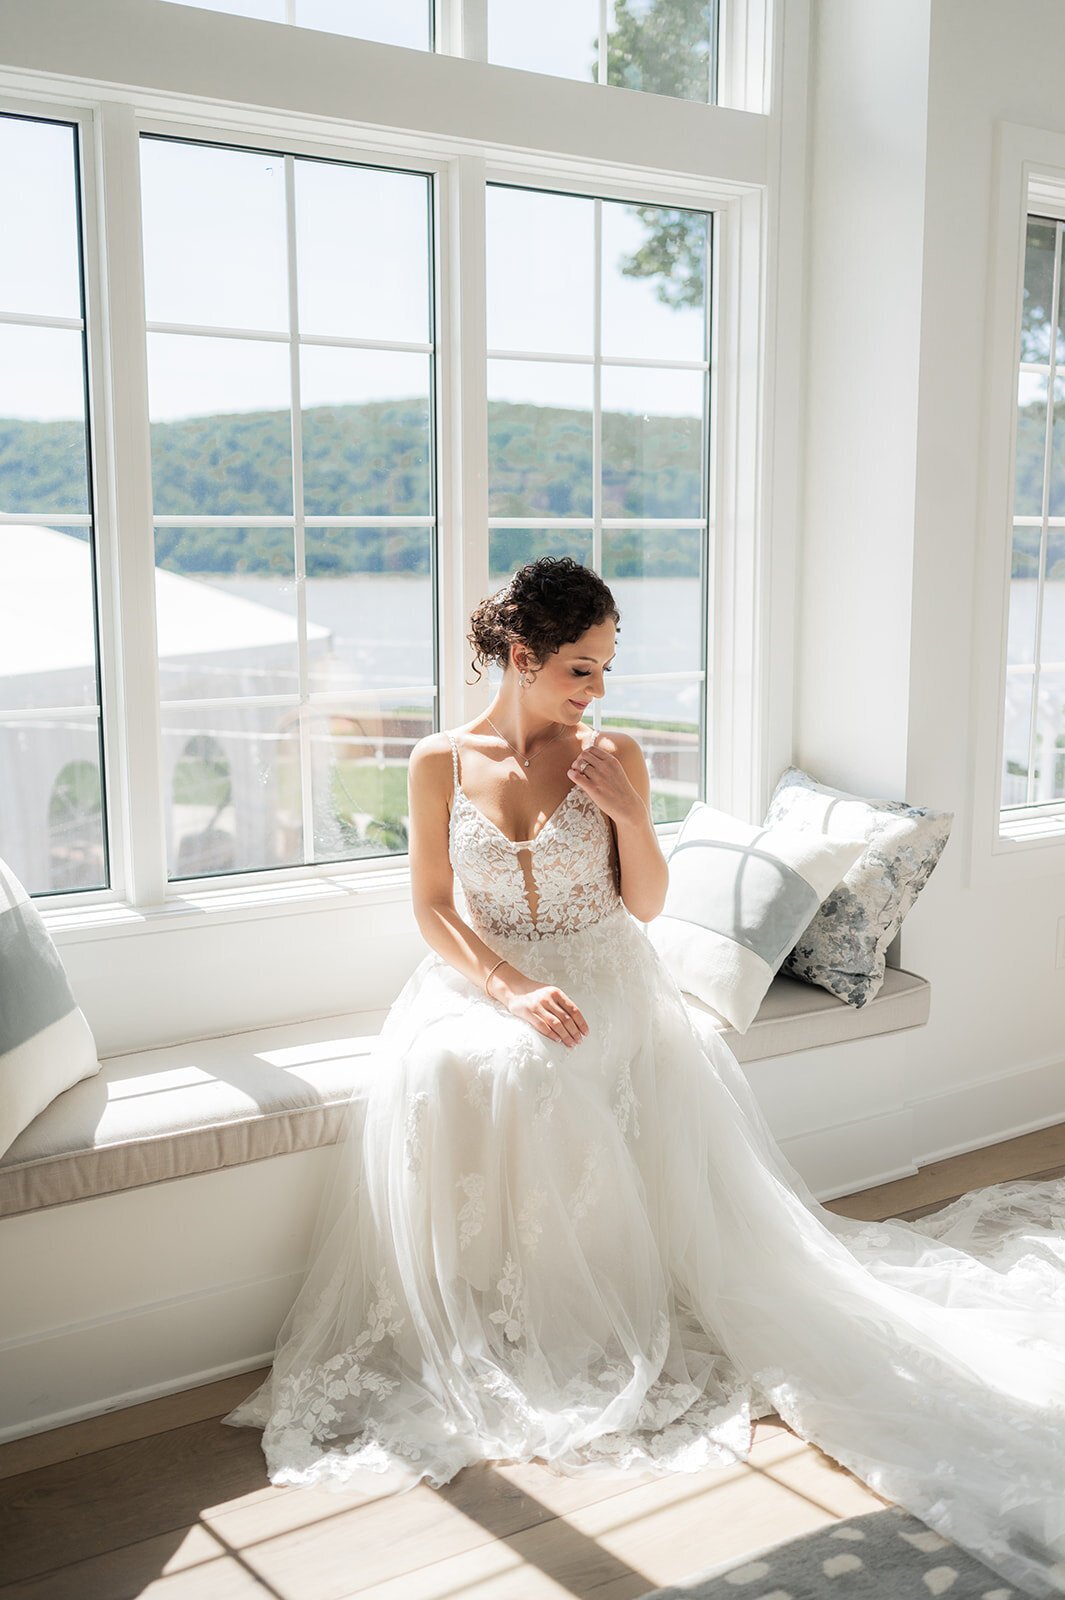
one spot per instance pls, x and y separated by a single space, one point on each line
381 634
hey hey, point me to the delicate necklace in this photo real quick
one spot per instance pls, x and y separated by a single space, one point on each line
525 759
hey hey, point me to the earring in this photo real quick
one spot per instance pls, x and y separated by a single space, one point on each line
522 681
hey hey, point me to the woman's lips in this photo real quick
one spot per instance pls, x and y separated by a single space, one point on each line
582 705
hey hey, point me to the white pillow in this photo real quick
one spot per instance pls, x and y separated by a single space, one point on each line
739 897
45 1042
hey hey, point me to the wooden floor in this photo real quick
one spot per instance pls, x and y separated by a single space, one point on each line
160 1500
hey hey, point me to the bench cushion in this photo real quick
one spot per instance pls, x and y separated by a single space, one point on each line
189 1108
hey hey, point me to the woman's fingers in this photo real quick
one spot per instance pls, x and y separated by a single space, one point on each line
562 1027
567 1019
552 1013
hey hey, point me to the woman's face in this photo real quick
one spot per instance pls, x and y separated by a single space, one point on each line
564 685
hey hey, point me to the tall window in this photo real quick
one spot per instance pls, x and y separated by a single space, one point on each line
1034 735
290 355
286 570
405 22
598 431
658 46
52 820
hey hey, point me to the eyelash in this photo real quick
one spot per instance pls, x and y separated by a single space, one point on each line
577 673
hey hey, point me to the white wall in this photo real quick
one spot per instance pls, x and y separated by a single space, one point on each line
865 228
902 224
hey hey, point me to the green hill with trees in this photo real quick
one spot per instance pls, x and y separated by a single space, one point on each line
374 460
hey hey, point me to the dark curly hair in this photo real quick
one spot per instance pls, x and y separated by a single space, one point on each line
546 604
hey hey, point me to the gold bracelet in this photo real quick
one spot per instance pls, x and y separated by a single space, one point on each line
500 963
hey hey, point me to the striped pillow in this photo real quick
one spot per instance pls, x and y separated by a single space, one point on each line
45 1042
739 897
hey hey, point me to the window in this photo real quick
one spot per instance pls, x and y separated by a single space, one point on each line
1033 774
344 380
290 380
598 439
403 22
663 47
52 819
658 46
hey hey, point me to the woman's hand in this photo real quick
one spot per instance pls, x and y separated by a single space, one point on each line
602 776
617 780
545 1007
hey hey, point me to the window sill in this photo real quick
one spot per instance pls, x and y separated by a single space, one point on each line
73 919
203 906
1031 826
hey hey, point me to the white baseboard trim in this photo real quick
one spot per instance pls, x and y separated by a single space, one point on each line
989 1110
78 1371
136 1397
854 1155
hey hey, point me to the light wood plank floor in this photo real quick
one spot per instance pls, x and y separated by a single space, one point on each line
160 1500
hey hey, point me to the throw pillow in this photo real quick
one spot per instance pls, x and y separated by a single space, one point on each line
738 898
45 1042
844 946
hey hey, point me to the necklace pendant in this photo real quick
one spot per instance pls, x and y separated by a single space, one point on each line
526 763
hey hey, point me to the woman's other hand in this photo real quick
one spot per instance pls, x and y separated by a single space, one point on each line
543 1006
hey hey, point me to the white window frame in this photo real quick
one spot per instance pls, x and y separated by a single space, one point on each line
1024 841
112 118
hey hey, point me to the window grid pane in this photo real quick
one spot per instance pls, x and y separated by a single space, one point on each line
403 22
295 533
666 47
53 823
1033 762
606 460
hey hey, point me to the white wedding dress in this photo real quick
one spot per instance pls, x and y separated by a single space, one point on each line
599 1257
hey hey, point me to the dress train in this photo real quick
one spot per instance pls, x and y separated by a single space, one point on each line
600 1257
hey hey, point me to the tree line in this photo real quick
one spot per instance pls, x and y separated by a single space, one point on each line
374 460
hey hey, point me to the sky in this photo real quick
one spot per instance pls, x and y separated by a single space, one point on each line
215 256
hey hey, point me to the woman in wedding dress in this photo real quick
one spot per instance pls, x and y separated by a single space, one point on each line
564 1230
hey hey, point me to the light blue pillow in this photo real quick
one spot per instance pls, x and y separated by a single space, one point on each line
739 896
46 1044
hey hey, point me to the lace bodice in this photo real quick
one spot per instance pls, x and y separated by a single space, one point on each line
558 882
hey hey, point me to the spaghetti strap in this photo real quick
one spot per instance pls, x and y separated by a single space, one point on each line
454 761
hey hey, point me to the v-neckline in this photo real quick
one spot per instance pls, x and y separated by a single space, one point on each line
520 844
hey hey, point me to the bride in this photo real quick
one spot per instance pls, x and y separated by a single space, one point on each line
564 1230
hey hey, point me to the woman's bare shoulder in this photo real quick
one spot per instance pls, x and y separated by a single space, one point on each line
430 761
622 745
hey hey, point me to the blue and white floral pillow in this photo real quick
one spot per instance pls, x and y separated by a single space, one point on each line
843 948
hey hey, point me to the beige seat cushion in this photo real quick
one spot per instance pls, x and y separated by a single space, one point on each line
190 1108
194 1107
798 1016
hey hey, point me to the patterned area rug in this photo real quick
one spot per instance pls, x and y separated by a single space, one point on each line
884 1555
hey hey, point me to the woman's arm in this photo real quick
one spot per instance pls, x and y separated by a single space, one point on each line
616 777
547 1008
431 878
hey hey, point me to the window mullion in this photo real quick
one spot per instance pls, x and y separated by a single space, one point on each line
464 378
134 725
597 410
1040 577
472 40
299 529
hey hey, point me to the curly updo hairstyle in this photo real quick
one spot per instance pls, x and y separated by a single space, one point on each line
548 603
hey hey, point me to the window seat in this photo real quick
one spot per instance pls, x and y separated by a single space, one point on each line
208 1104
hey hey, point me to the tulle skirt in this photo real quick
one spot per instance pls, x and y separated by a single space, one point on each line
600 1258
